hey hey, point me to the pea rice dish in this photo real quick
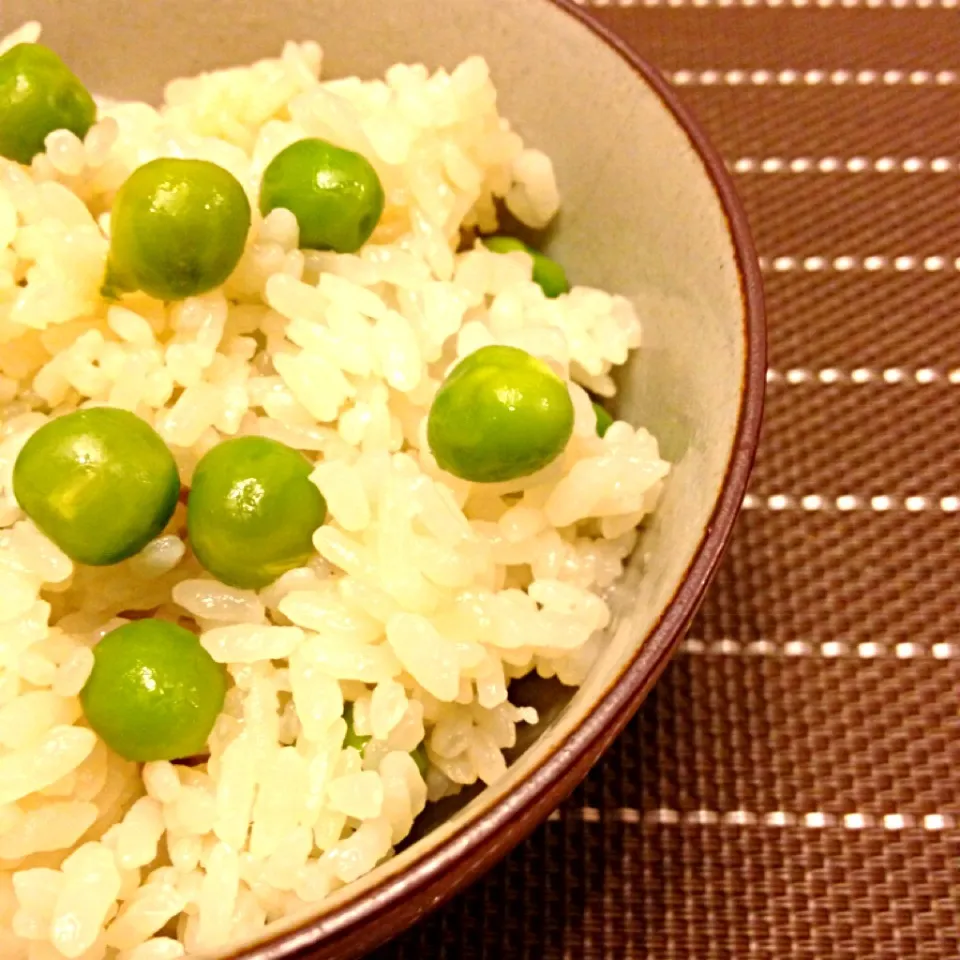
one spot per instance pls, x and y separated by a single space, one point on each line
303 459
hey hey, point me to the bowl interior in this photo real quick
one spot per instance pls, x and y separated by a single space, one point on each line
641 216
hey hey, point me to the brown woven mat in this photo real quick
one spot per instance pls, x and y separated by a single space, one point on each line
792 787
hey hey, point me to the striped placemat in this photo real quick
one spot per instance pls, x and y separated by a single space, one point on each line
792 787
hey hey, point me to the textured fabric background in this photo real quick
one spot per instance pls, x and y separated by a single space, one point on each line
792 787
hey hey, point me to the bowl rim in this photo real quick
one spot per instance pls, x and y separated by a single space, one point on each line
463 856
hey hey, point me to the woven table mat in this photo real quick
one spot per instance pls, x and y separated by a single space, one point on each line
791 788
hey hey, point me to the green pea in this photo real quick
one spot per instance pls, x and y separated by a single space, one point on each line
551 277
252 511
177 229
501 414
604 420
352 738
39 94
335 194
359 743
100 483
154 692
420 759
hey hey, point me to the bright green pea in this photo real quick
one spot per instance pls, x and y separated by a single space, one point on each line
154 692
352 738
100 483
335 194
177 229
252 511
39 94
604 420
551 277
501 414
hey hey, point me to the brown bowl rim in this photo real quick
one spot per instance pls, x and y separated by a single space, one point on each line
396 902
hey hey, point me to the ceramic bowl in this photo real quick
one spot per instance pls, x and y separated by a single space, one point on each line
648 212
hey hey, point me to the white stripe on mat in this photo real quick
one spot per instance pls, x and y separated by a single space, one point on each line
780 4
874 263
814 820
830 650
813 78
847 503
859 376
844 165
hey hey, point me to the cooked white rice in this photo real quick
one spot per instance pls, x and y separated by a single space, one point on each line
427 594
